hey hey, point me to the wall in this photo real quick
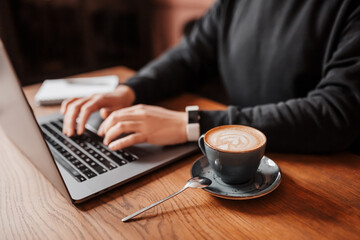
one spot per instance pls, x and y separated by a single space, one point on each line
169 18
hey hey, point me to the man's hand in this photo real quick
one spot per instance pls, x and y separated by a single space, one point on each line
151 124
81 108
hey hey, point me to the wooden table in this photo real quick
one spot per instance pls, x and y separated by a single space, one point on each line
319 198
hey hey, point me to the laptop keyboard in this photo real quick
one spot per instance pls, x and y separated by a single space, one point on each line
84 156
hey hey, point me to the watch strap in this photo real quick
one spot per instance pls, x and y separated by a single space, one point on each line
193 126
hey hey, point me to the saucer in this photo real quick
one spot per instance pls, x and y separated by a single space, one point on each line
266 179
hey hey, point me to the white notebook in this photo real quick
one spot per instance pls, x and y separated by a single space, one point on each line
54 91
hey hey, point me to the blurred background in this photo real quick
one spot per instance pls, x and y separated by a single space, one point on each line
57 38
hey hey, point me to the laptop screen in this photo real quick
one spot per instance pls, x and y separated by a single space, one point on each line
19 124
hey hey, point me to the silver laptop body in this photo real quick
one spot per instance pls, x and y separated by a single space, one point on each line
95 175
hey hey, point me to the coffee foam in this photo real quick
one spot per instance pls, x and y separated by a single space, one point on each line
235 138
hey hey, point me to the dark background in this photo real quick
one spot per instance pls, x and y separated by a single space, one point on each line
48 39
56 38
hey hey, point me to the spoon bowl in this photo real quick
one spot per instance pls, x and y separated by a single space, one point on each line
198 182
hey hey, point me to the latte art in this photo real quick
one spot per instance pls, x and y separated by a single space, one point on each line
234 138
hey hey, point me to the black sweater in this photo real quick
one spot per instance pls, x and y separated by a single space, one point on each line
291 69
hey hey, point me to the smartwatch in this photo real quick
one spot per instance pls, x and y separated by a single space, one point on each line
193 125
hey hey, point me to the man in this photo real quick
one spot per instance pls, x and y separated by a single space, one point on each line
291 69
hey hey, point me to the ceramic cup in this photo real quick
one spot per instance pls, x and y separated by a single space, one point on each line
233 151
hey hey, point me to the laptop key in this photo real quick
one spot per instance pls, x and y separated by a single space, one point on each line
89 138
109 154
80 141
126 155
99 169
90 174
75 150
63 163
102 150
79 165
129 157
106 162
87 172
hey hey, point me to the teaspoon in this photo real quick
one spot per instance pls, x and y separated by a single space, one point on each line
195 182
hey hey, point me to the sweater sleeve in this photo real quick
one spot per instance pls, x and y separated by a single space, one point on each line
326 120
184 67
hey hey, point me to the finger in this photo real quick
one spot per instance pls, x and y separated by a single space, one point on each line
105 112
127 141
85 111
65 104
108 111
120 128
116 117
71 115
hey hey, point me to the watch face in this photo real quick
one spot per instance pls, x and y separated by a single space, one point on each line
193 117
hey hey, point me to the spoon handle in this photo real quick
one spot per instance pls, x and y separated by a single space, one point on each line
153 205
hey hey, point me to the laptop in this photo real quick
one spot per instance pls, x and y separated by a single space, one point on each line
80 167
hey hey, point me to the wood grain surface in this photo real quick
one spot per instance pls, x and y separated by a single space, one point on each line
319 198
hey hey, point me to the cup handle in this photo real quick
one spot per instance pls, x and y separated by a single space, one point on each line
201 143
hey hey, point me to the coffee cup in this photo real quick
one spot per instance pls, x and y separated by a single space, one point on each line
234 152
